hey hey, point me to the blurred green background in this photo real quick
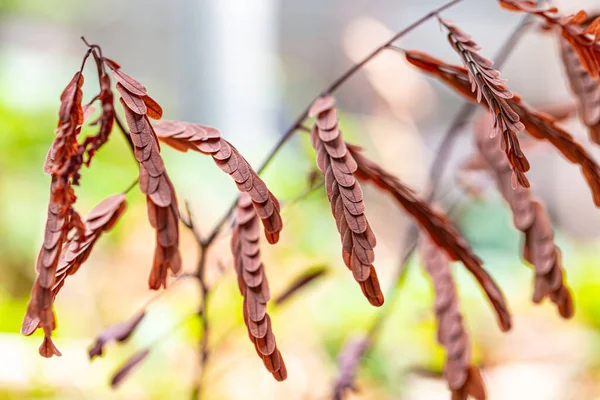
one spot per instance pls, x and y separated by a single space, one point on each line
248 68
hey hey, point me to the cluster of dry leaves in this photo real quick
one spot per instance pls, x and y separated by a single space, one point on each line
486 83
69 240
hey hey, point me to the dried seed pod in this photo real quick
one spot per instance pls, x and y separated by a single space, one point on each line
530 218
437 226
73 254
161 199
486 83
185 136
253 285
586 42
346 198
537 124
463 379
585 88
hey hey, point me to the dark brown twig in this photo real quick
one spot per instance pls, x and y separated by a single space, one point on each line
202 314
125 132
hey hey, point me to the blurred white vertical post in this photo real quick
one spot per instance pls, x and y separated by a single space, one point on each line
233 70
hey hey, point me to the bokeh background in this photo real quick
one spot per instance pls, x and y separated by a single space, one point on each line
249 68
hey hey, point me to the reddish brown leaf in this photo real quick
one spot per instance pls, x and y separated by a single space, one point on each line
106 120
161 199
63 163
530 218
486 83
349 361
436 225
48 349
306 278
130 84
74 252
127 368
463 379
153 109
585 88
111 63
185 136
345 196
537 124
586 42
474 387
253 285
118 332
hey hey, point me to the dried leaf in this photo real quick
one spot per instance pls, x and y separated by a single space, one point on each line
437 226
486 83
253 285
63 163
530 218
128 367
585 88
161 199
118 332
349 361
185 136
345 196
586 42
537 124
306 278
106 120
463 378
63 263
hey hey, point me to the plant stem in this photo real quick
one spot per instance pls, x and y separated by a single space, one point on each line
125 132
202 314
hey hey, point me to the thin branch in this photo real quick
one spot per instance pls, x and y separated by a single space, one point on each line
189 223
131 186
125 132
202 314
